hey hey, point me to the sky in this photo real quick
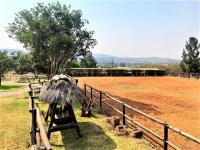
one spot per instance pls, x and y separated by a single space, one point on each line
124 28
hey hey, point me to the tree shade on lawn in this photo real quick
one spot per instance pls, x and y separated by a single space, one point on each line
8 87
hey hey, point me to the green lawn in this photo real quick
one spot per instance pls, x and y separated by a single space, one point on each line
14 122
96 134
8 87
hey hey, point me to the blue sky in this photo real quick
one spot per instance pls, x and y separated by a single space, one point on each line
125 28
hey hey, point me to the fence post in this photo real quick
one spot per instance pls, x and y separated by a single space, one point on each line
33 126
90 92
124 112
165 136
32 101
30 93
85 89
100 98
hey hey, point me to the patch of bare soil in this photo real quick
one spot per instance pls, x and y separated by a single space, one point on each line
171 99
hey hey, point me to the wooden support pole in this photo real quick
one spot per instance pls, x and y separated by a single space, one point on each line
32 102
100 99
30 93
85 89
90 92
124 113
38 139
165 136
33 127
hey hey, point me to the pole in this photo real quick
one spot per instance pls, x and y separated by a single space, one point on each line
90 92
33 127
165 136
85 89
100 98
32 101
124 118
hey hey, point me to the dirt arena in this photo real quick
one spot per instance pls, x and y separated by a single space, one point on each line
171 99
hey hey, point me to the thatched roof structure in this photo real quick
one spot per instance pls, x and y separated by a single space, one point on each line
61 90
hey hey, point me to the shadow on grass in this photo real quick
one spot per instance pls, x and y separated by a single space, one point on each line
93 137
9 87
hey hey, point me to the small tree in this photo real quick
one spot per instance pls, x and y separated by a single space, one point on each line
22 62
190 58
53 33
5 63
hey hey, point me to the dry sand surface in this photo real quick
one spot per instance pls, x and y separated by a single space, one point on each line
172 99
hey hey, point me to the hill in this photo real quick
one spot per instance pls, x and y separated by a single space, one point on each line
10 51
103 58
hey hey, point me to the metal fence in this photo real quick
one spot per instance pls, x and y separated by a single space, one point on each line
114 106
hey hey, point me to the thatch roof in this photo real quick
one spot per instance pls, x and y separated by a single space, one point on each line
61 89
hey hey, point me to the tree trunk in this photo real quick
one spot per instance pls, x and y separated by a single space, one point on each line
54 66
0 80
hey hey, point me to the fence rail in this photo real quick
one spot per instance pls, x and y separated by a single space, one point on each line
98 94
38 134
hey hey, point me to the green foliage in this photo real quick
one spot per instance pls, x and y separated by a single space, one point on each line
122 65
22 62
168 67
190 58
5 62
39 65
88 61
53 33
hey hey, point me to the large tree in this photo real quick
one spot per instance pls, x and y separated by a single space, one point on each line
53 33
190 58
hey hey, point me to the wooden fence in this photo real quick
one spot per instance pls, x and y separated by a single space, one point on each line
25 78
101 99
38 134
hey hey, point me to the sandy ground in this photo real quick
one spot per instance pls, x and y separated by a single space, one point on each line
171 99
17 91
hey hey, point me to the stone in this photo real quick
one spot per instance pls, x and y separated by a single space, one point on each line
114 120
120 130
136 134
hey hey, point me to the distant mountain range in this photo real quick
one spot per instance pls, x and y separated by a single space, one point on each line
12 50
102 58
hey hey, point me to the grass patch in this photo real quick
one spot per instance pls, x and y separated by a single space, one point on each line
8 87
96 134
14 122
